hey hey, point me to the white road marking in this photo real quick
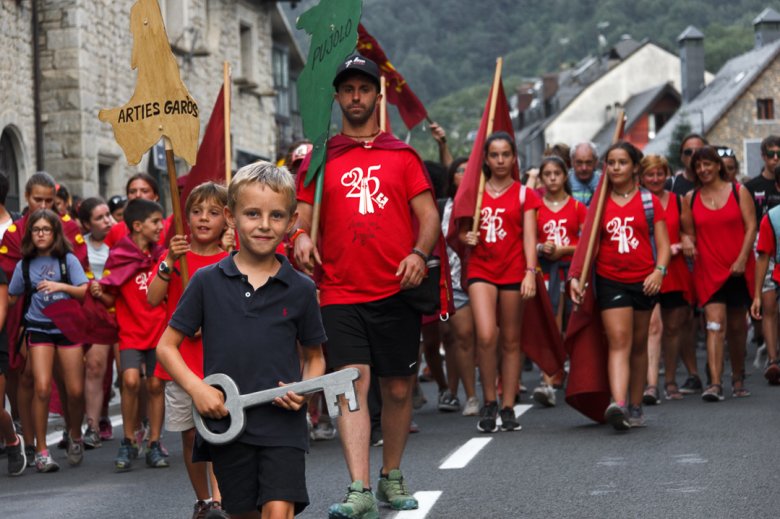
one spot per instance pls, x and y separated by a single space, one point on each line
426 500
116 422
689 459
462 456
611 461
519 410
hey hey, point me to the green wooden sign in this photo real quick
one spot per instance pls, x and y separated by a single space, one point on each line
332 25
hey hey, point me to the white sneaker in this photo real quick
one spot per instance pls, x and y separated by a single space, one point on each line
544 395
761 359
323 431
472 407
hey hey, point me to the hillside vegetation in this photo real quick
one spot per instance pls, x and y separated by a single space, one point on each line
446 49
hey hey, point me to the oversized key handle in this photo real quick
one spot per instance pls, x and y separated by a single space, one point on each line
332 384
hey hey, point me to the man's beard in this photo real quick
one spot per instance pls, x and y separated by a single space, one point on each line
359 120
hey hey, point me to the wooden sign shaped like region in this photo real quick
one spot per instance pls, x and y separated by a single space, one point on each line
161 105
333 28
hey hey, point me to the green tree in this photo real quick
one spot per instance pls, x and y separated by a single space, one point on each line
682 129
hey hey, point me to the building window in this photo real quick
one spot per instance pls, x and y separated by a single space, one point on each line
765 109
246 51
282 80
175 15
9 168
104 173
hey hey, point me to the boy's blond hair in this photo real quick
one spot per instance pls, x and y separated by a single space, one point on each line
206 192
277 178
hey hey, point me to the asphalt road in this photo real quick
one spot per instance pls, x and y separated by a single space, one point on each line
693 460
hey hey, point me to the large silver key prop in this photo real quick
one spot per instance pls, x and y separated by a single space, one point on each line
332 385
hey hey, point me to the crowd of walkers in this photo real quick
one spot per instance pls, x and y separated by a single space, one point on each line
678 255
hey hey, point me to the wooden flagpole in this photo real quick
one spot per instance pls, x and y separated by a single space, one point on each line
600 203
383 103
488 131
315 218
227 85
178 222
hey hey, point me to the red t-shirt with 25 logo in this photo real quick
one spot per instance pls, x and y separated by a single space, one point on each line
366 222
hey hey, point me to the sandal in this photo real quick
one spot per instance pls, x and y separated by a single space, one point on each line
738 389
672 391
650 396
713 393
772 373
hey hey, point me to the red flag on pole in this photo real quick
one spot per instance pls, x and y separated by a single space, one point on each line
541 339
398 92
587 390
210 165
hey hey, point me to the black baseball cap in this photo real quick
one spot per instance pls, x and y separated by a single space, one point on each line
357 64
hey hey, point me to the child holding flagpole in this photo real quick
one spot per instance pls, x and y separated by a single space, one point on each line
629 273
500 277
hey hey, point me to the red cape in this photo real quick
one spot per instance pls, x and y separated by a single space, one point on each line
338 145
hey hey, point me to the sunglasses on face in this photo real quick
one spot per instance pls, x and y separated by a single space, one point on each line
772 154
460 170
688 151
725 152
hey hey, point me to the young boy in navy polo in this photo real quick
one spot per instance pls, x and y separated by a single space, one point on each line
252 309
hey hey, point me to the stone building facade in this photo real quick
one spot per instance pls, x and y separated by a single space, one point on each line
742 128
84 51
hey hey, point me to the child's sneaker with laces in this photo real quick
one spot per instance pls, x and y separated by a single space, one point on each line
487 420
17 460
124 456
359 503
617 417
105 429
155 457
91 439
75 452
45 463
636 417
29 454
509 420
392 490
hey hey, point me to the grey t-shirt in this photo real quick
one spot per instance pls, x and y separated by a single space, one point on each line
45 268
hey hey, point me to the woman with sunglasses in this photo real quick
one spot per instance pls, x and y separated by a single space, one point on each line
675 298
723 221
729 161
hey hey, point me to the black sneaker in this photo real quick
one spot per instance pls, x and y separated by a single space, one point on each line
509 420
63 443
17 460
487 418
376 437
692 385
617 417
29 453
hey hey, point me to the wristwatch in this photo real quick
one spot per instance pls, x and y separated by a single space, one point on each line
164 268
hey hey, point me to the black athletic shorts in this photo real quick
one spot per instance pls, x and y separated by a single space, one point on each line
384 334
57 339
506 286
3 362
250 476
613 294
734 293
672 300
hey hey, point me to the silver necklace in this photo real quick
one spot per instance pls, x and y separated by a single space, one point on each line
626 194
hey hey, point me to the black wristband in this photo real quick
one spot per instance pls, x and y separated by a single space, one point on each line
163 277
420 253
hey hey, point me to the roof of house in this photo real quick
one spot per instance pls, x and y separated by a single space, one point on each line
719 95
768 15
635 108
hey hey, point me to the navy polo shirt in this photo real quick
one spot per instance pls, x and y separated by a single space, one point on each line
250 335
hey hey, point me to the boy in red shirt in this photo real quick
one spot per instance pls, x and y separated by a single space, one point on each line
129 269
205 209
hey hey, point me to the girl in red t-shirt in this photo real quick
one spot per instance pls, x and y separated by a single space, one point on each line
724 221
500 276
627 280
674 301
558 223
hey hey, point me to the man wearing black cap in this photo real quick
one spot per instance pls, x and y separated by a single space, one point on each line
371 251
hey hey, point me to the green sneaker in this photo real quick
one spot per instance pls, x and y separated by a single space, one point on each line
392 490
359 503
